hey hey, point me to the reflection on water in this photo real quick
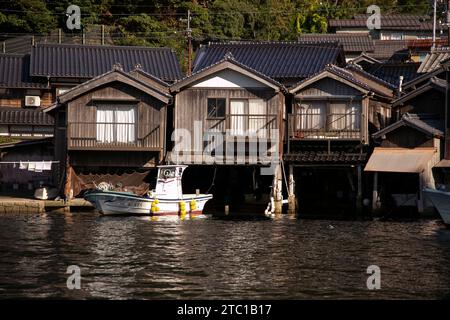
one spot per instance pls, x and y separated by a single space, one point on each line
132 257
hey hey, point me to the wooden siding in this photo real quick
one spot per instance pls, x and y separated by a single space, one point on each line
121 159
150 122
432 102
191 106
406 137
16 98
328 87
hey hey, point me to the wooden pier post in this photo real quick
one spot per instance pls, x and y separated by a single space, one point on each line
277 190
375 192
359 195
292 200
420 202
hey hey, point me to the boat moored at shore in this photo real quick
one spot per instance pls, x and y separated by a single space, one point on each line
166 200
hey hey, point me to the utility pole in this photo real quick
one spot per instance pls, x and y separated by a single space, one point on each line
434 24
189 40
448 22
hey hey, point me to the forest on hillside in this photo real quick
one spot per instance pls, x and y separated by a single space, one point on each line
163 23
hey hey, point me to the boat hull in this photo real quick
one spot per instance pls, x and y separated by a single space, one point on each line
441 201
117 203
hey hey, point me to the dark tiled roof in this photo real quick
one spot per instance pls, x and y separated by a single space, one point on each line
14 72
278 60
423 123
230 59
388 21
385 49
350 42
324 157
391 72
10 115
355 68
87 61
348 75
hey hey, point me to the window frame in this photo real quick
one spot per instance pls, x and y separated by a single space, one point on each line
117 106
215 117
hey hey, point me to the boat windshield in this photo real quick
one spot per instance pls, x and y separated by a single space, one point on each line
167 173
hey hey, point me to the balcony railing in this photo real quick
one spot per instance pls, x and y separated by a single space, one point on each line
247 126
113 136
345 126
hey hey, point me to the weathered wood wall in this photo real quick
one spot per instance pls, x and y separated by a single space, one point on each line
150 113
406 137
191 105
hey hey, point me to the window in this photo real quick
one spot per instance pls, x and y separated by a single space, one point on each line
344 116
311 115
216 108
248 115
116 123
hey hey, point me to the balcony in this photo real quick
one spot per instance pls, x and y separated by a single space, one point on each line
114 136
336 126
246 126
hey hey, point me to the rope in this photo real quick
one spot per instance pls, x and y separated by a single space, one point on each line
214 179
284 175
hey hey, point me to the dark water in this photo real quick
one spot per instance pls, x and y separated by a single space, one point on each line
283 259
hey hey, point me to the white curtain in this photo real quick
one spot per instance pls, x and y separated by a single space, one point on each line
354 119
237 111
105 127
311 116
126 124
344 116
116 124
257 119
338 116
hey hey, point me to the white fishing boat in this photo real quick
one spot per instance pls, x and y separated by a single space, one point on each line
166 200
441 201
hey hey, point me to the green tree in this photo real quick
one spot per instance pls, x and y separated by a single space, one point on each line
30 16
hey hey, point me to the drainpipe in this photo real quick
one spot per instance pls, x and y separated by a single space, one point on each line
400 85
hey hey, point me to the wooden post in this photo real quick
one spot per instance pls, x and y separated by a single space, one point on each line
359 195
375 192
292 200
420 194
277 190
59 35
103 34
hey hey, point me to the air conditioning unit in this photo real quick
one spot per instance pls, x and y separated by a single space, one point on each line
32 101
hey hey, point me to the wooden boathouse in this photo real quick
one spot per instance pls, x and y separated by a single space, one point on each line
330 122
111 125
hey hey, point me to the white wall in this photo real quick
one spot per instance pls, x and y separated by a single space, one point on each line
228 79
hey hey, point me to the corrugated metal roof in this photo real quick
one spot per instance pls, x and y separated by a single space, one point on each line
433 60
350 42
400 160
278 60
10 115
88 61
14 72
388 21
